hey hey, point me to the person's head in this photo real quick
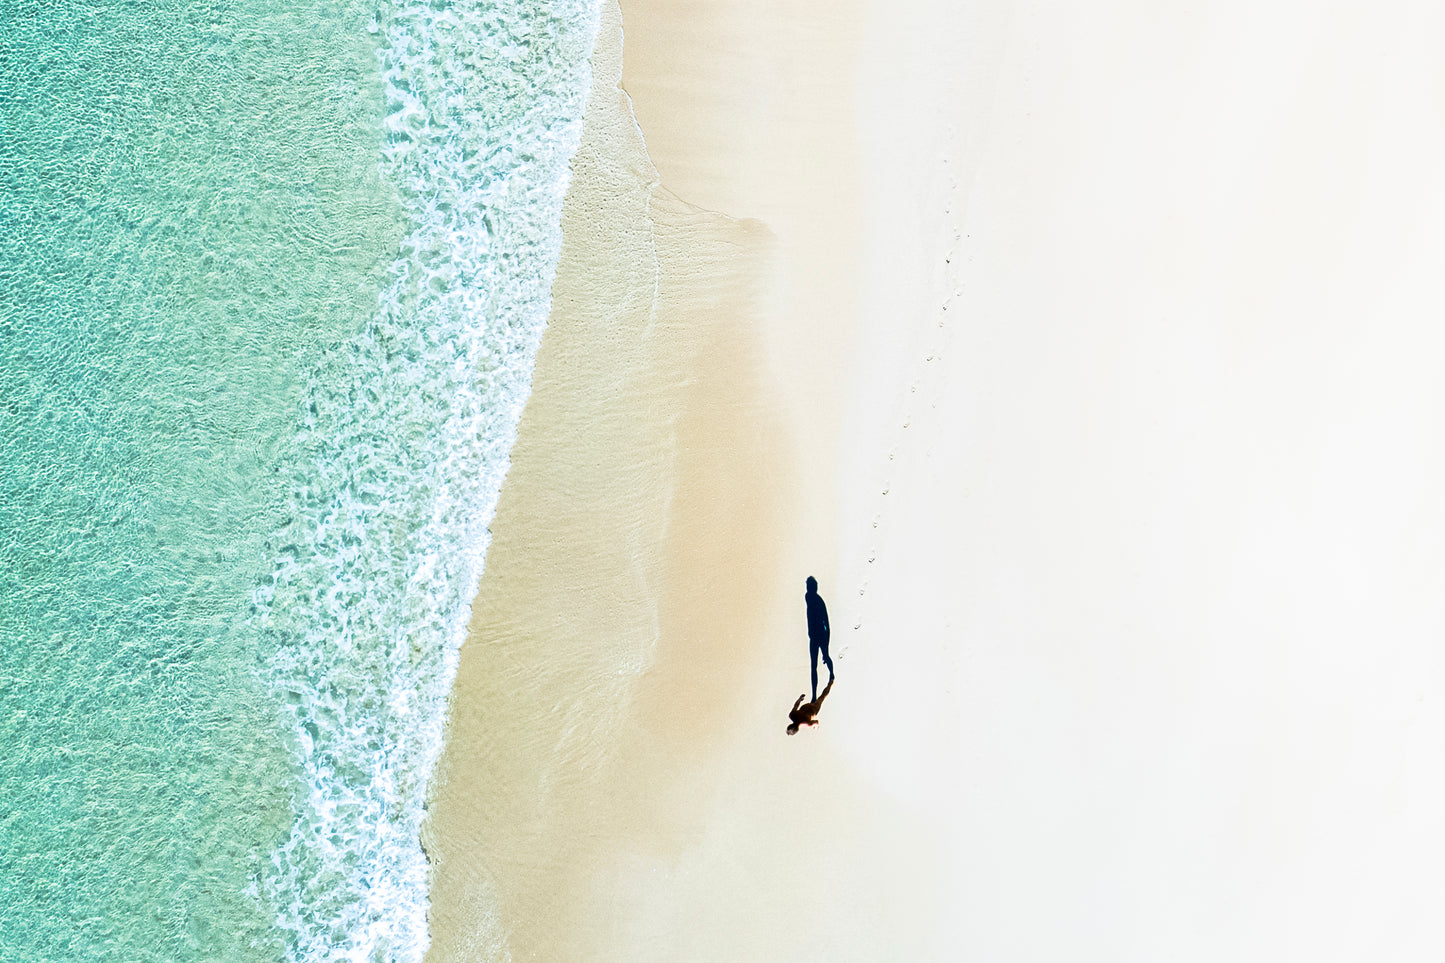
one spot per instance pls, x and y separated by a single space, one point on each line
812 584
792 728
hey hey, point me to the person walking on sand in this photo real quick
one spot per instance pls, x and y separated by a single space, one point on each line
817 633
806 715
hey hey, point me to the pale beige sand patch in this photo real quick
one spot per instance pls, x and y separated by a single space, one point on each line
617 782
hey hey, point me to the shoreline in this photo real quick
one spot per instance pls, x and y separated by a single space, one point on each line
617 781
617 626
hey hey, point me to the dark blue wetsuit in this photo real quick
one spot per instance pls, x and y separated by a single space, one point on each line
817 635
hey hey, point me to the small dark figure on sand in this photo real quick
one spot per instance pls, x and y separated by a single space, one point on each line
807 715
817 632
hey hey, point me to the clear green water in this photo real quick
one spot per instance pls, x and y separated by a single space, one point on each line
272 280
191 220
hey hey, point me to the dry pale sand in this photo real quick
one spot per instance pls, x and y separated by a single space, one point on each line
1148 368
1090 361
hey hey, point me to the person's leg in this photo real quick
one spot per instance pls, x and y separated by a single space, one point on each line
813 653
826 661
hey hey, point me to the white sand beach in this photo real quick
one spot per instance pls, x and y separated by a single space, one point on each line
1089 361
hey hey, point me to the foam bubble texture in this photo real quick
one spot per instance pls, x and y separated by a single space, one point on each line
408 430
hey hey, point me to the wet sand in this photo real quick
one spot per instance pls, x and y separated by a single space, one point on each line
618 783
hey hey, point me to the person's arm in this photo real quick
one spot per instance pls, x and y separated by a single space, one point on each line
827 632
801 698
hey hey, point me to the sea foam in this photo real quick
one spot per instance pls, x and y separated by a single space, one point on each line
407 431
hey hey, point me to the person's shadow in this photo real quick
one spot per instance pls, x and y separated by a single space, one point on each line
806 714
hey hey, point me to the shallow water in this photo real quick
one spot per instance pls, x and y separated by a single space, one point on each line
271 280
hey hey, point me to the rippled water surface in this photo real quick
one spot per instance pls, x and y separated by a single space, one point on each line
272 276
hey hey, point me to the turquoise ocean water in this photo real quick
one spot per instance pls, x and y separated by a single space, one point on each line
272 278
